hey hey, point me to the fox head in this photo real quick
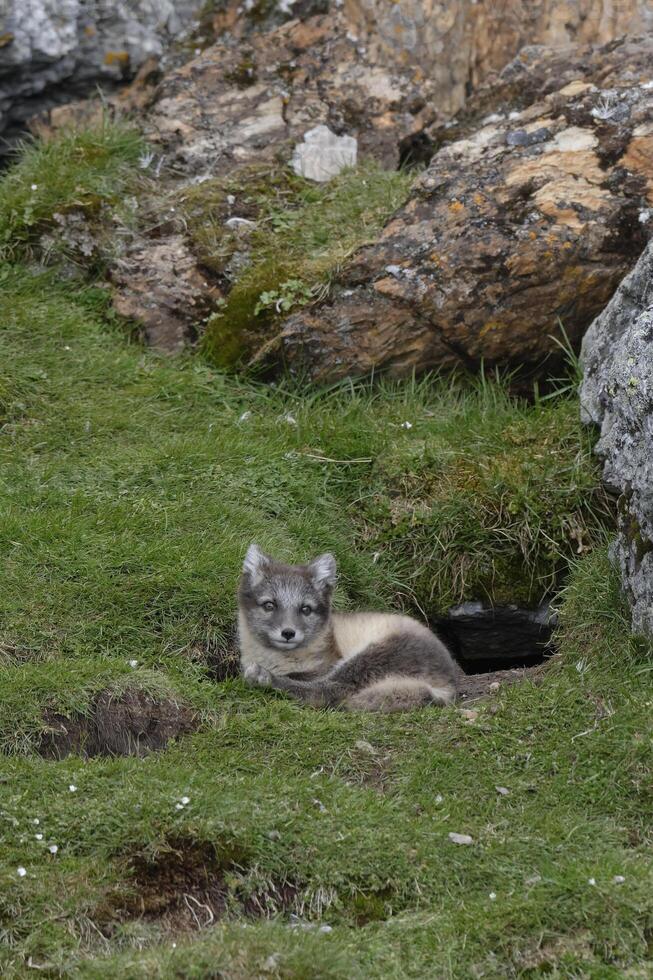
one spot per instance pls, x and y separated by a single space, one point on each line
286 607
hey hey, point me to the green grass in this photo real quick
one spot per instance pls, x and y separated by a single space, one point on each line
76 173
304 233
130 486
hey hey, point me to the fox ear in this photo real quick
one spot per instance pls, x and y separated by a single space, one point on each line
323 570
255 563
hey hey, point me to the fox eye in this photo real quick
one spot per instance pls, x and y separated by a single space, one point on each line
306 610
269 606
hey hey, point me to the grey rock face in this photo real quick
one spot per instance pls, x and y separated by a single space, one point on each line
53 50
617 394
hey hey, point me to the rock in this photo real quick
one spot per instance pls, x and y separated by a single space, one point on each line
238 103
160 285
323 155
460 838
459 45
55 50
617 394
504 238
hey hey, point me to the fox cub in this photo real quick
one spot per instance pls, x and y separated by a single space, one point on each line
291 640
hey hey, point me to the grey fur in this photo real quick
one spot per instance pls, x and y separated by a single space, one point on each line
402 666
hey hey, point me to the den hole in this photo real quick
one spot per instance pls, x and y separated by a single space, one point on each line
485 639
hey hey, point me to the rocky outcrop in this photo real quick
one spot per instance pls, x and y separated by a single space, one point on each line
55 50
520 226
238 103
459 45
617 394
453 45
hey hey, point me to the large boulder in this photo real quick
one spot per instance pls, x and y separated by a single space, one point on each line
520 228
617 394
55 50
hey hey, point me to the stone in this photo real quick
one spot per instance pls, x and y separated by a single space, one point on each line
323 155
55 50
617 394
503 241
160 285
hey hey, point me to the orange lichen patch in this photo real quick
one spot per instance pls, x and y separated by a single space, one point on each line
456 206
524 263
557 197
638 158
116 58
90 30
491 326
551 165
389 286
6 39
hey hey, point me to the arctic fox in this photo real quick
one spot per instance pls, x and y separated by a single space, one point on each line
290 640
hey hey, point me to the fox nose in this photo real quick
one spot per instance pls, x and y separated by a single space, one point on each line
288 634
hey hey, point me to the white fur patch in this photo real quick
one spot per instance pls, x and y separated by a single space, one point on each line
254 563
323 570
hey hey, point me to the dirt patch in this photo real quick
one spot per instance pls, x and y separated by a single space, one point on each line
191 885
131 723
472 687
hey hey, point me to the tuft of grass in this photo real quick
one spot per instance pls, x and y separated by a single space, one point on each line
301 240
77 171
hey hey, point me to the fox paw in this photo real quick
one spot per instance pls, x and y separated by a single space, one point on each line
257 676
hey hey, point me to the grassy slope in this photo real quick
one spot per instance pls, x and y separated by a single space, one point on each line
128 490
129 486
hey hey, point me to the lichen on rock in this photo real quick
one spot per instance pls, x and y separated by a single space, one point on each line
530 218
617 394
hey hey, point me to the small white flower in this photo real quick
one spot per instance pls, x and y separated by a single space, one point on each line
245 416
406 425
290 419
493 896
179 806
72 788
591 881
53 848
66 347
185 800
325 929
35 187
618 879
501 790
133 663
39 836
174 945
21 872
439 798
36 821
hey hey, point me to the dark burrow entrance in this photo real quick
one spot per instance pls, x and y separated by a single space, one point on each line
485 639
